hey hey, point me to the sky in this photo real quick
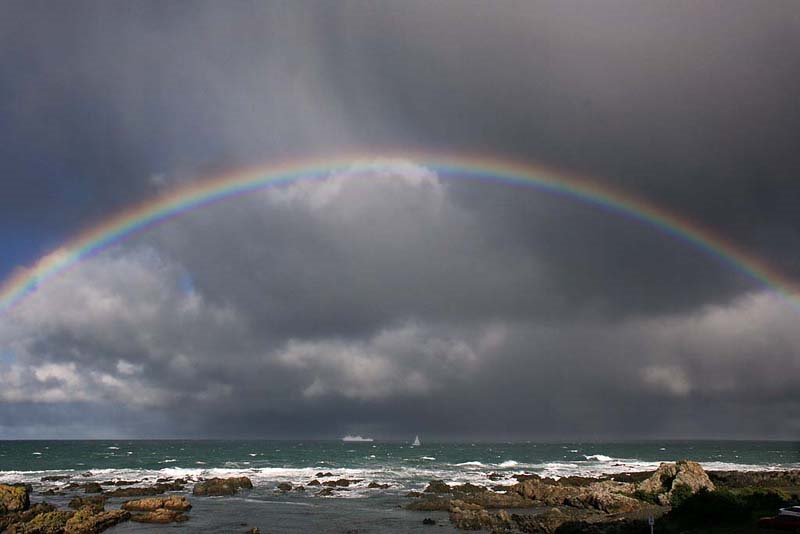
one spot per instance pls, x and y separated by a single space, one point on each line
391 300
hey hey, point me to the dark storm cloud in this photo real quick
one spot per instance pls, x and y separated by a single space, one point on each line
432 303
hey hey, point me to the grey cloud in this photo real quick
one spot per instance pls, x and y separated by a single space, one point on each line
532 314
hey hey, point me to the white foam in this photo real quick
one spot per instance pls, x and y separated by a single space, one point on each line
428 458
509 463
412 476
599 458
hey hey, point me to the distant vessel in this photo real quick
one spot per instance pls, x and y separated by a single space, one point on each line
416 442
356 438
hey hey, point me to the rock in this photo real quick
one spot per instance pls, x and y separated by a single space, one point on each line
437 486
323 475
88 521
98 502
491 499
55 478
325 492
468 489
300 488
23 517
756 479
173 502
285 486
253 530
469 494
550 520
221 486
668 477
160 515
526 476
136 491
175 485
428 521
495 476
605 495
472 517
314 482
430 504
375 485
602 498
14 498
46 523
92 487
342 482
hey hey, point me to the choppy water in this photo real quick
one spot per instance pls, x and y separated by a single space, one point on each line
402 466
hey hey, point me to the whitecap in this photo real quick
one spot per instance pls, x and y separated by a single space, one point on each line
471 464
509 463
428 458
599 458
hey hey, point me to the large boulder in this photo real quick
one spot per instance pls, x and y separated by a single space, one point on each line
161 515
96 501
14 499
221 486
437 486
683 476
472 517
23 517
174 502
47 523
606 496
88 520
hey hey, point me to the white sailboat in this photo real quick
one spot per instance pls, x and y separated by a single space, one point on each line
416 442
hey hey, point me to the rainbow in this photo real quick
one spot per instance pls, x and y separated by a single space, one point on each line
202 193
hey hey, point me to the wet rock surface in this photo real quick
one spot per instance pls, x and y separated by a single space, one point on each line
174 502
14 498
161 516
96 501
221 486
611 504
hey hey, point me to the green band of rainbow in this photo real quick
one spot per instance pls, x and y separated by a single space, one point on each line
198 194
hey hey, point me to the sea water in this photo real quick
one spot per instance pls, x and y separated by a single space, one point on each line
358 508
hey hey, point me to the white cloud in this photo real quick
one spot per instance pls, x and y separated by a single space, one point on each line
407 360
668 378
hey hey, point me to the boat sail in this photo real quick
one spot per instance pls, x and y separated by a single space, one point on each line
416 442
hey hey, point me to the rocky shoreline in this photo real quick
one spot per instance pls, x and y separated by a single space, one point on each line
679 497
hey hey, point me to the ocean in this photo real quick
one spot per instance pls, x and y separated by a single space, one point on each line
359 508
